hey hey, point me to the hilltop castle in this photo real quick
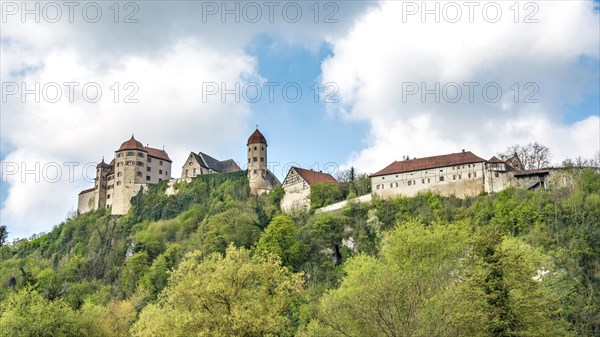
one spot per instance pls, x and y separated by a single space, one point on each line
133 168
136 166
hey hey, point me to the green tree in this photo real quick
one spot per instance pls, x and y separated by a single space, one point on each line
276 195
281 238
27 313
135 268
323 194
516 302
231 295
3 235
329 230
394 295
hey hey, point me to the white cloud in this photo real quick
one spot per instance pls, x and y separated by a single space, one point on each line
382 52
168 53
170 112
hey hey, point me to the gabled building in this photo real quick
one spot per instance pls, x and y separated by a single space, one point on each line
133 168
460 174
297 185
200 163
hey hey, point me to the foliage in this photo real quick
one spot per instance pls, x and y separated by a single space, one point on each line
231 295
323 194
213 260
280 238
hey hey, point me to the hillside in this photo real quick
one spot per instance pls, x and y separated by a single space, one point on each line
214 260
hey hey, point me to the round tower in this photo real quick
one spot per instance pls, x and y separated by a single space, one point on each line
101 184
257 162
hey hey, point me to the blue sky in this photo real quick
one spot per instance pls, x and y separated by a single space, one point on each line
319 138
370 54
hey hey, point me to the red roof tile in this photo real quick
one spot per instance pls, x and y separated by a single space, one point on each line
156 153
495 160
313 177
131 144
429 163
257 137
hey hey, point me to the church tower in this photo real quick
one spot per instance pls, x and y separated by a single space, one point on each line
258 174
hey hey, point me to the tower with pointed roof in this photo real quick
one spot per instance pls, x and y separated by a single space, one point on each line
258 173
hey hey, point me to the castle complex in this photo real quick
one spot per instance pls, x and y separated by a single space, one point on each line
136 166
460 174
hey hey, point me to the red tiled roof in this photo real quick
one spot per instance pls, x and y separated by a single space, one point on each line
257 137
312 177
429 163
156 153
131 144
495 160
86 191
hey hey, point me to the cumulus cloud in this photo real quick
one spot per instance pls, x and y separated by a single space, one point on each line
166 49
394 54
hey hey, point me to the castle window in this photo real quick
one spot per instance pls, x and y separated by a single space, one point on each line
108 196
187 173
160 162
119 174
147 178
148 169
129 154
139 163
262 160
474 174
496 174
139 174
159 180
441 178
119 155
119 183
194 174
391 185
248 160
454 177
140 154
249 149
130 163
423 181
255 148
159 171
459 176
166 173
149 160
254 159
254 171
410 183
469 174
262 148
119 164
190 163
